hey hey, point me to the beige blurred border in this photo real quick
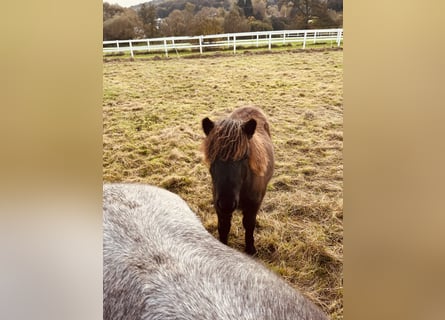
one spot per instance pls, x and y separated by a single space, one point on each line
394 83
51 160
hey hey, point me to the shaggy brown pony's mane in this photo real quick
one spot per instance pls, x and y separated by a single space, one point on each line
228 142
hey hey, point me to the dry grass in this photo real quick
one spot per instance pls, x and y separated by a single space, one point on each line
152 112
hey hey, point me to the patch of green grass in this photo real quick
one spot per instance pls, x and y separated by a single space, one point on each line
152 112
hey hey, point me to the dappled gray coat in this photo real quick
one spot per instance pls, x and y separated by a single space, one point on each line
160 263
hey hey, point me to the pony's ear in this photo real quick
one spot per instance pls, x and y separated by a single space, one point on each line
207 125
249 127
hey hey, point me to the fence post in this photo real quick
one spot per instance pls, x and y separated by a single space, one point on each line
284 37
117 45
270 40
315 36
338 37
257 40
131 49
200 44
234 44
165 47
304 39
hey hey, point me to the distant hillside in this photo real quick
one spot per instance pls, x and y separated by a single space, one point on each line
165 7
165 18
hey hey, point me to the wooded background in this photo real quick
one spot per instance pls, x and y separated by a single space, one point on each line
164 18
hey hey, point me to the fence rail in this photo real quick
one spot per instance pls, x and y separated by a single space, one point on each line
225 41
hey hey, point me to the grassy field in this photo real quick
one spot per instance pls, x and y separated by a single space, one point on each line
152 112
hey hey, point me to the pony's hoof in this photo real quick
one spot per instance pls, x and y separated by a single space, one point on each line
251 251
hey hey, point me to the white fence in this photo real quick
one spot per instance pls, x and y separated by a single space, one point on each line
225 41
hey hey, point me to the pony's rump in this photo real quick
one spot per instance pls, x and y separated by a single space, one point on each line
160 263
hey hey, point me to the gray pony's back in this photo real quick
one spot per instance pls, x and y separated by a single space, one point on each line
160 263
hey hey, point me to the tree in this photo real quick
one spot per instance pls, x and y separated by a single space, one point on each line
234 22
110 10
286 9
246 7
175 24
302 10
280 23
189 14
311 14
259 9
125 25
208 21
322 17
336 5
272 11
258 25
147 15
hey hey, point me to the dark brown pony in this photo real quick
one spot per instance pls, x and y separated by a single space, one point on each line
239 152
